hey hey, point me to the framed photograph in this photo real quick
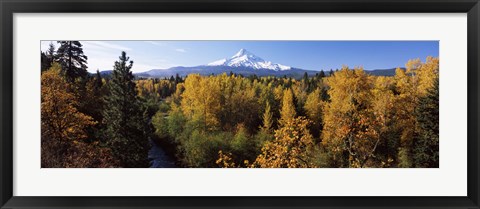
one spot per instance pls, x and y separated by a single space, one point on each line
239 104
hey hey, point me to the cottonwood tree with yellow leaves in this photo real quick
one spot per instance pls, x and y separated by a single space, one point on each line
314 110
293 143
201 101
349 122
292 147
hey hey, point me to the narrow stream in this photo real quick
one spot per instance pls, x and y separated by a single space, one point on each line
158 158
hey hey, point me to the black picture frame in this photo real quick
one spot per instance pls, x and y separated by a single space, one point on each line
10 7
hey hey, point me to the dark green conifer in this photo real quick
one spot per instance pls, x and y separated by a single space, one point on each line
426 145
122 117
47 58
98 81
321 74
71 58
44 65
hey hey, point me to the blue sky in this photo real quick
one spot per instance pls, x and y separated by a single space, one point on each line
309 55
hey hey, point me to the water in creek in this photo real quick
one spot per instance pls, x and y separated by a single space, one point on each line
158 158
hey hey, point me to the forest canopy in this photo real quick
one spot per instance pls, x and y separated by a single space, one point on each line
342 119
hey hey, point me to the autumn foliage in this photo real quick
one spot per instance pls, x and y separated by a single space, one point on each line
64 127
348 118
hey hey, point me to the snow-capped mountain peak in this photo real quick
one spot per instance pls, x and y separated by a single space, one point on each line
245 53
218 62
244 58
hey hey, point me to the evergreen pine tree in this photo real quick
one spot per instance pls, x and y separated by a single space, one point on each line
321 74
178 79
98 81
94 98
122 117
426 146
71 58
47 57
305 77
306 81
44 65
51 51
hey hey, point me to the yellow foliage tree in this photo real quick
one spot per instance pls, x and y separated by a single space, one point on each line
291 148
267 119
201 100
383 107
405 103
287 112
62 124
314 108
239 102
428 75
348 118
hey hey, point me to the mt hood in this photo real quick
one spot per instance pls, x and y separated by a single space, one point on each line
243 62
244 58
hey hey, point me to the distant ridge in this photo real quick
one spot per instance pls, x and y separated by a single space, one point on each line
383 72
242 63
